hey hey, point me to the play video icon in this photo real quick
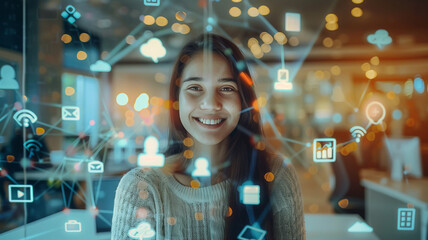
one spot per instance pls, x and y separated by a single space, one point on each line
20 193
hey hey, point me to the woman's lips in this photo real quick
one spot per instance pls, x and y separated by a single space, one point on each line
210 126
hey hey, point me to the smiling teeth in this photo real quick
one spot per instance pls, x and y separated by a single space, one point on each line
210 121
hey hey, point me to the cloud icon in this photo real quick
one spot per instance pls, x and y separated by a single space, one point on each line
360 227
100 66
142 231
153 49
379 38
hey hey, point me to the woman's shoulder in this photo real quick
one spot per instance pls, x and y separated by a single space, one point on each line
138 177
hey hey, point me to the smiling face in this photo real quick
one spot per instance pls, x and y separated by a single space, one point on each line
209 102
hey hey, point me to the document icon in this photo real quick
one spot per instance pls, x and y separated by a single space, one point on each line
70 113
250 194
292 22
20 193
96 167
73 226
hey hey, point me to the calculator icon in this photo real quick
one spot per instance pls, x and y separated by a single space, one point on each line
406 219
152 2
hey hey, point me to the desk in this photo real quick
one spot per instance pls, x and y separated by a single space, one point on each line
334 227
318 227
384 197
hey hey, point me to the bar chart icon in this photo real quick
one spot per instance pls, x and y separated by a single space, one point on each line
324 150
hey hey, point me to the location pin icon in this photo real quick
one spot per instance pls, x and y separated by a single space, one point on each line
375 112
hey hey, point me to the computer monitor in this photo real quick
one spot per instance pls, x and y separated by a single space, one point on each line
104 192
405 154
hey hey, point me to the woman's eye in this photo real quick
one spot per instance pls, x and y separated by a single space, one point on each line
194 88
228 89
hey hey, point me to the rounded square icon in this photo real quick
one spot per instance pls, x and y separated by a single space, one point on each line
20 193
324 150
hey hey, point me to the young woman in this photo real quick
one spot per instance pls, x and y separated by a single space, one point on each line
215 120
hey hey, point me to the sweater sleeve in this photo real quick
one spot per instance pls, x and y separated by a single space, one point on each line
287 205
134 207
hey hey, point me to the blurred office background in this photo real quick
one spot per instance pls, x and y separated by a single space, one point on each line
338 63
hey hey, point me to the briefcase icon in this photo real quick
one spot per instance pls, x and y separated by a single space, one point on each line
73 226
70 113
152 2
96 167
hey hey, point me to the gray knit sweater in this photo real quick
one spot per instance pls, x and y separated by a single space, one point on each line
175 211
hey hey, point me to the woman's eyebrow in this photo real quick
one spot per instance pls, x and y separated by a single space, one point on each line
227 80
192 79
200 79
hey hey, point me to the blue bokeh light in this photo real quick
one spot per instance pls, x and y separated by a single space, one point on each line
419 85
397 114
337 118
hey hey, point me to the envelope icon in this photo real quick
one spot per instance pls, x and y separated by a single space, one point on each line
70 113
96 167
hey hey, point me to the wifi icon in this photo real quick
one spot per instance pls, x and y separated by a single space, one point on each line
33 146
358 132
24 117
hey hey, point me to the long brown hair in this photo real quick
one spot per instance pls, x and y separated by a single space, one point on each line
246 162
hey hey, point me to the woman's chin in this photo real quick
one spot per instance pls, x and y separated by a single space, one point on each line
209 141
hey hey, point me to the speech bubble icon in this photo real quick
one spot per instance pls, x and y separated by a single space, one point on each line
153 49
375 112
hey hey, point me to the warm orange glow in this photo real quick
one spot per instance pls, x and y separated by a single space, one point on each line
199 216
167 104
188 142
229 212
371 136
253 12
69 91
235 12
180 15
343 203
172 220
269 176
161 21
81 55
149 20
40 131
10 158
246 78
280 38
264 10
357 12
84 37
195 184
175 105
65 38
188 154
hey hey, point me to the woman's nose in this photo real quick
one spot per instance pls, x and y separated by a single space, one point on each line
211 102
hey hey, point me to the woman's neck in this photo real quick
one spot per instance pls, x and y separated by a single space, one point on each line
216 156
